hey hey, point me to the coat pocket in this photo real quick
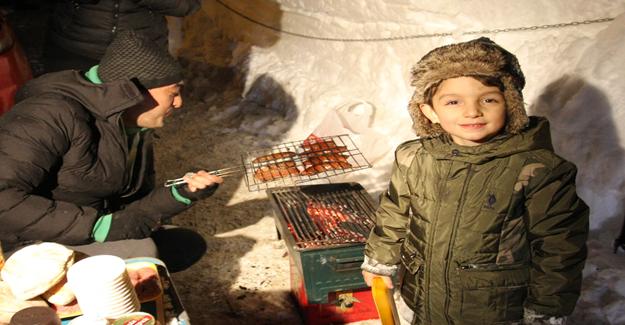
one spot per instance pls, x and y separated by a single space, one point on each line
493 294
411 278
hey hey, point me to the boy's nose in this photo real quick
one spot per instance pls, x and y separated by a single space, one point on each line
472 110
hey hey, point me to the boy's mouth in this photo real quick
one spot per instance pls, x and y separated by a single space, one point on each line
473 125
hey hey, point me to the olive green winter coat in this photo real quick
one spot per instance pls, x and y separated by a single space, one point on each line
483 231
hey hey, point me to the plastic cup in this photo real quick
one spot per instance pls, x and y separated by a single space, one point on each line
102 287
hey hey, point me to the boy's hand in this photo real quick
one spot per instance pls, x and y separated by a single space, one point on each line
369 279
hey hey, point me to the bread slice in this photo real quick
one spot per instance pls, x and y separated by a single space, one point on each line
34 269
9 305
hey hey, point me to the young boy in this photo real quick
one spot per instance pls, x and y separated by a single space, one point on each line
481 214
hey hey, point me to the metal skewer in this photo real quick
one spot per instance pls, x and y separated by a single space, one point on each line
224 172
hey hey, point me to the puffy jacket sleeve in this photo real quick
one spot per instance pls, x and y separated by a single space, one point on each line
557 231
33 138
178 8
392 215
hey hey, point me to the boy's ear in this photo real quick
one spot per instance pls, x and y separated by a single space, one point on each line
429 112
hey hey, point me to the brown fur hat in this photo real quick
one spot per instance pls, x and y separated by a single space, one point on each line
478 57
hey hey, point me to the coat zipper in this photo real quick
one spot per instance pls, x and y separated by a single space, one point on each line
426 275
452 239
489 266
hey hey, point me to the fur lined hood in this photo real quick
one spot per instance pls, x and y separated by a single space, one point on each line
478 57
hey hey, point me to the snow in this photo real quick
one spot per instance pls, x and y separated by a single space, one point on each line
304 85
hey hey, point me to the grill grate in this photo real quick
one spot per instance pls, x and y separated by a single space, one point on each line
322 216
298 162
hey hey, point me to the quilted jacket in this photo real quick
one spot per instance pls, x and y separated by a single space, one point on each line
66 160
481 232
86 27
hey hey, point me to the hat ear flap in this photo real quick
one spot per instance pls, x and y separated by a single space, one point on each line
420 122
516 116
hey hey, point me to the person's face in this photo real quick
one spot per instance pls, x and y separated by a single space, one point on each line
158 104
469 111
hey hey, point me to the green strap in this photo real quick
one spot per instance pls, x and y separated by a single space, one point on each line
93 76
179 197
101 228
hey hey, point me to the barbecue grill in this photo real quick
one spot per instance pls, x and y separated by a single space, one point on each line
325 228
296 162
305 151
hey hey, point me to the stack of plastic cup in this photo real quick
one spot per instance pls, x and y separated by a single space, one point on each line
102 287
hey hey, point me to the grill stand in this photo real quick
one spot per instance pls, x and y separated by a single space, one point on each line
325 270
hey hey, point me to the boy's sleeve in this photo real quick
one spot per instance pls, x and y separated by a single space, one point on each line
557 222
389 231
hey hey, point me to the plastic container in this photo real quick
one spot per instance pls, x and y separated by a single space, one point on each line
35 316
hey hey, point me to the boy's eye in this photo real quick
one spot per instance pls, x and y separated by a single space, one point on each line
491 100
451 102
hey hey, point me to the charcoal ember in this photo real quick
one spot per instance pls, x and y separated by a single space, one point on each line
332 220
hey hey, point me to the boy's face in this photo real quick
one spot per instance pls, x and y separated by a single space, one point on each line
469 111
156 106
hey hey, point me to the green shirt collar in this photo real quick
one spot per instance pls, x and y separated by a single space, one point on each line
92 75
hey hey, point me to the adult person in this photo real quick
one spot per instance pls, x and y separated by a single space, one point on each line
77 159
80 30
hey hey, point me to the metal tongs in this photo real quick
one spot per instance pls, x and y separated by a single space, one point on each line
224 172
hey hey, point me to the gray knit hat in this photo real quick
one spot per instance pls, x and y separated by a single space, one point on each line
478 57
131 55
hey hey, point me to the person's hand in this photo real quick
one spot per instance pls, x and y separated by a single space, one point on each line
369 279
200 180
199 185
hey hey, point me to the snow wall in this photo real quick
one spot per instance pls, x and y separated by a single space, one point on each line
331 67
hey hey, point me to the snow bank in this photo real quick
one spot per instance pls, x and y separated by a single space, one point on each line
574 73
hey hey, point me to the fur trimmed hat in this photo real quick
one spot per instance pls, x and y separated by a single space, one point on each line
131 55
478 57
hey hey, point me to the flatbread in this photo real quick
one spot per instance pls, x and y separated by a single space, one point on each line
9 305
34 269
60 293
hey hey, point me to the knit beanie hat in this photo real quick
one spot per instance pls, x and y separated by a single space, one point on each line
478 57
132 55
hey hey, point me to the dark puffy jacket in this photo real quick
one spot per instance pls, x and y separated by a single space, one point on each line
86 27
483 231
65 161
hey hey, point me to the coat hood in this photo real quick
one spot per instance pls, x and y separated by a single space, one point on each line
103 100
536 136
